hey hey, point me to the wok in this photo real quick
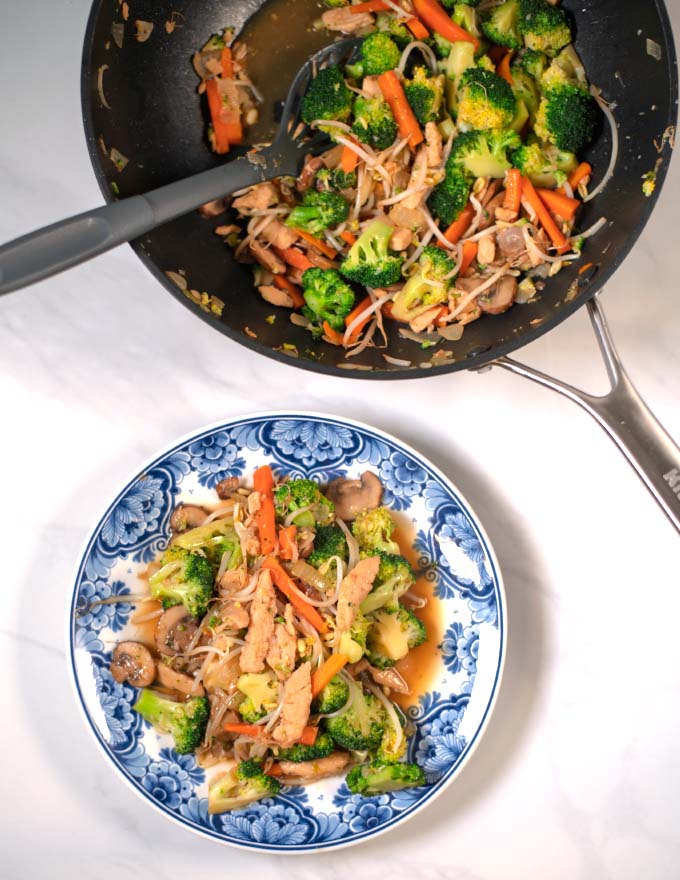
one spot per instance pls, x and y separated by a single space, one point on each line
156 121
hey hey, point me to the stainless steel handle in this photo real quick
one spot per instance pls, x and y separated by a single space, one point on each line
624 415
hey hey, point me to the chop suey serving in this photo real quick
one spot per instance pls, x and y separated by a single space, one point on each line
453 186
275 647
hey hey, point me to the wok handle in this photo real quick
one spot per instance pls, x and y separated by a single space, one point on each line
625 416
54 248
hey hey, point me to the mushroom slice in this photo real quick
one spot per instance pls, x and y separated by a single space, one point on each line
352 496
226 487
132 662
179 681
174 630
187 516
500 297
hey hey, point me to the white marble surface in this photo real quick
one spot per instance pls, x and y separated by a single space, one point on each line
579 775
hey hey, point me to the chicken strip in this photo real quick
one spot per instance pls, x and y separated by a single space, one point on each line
354 589
262 612
343 20
310 771
261 196
281 654
297 699
278 234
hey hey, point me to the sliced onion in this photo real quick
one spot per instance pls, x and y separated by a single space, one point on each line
309 575
417 337
452 332
217 514
425 49
397 362
352 544
294 514
615 145
100 85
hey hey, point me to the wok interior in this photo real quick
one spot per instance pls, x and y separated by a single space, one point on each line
157 121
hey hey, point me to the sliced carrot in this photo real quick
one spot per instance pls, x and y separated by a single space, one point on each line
418 29
439 21
503 69
326 671
332 335
356 311
513 190
309 735
287 541
294 258
349 159
395 96
284 582
584 170
440 320
291 289
469 253
212 93
227 62
253 730
559 204
234 131
455 231
348 237
265 517
585 268
369 6
317 243
544 216
274 770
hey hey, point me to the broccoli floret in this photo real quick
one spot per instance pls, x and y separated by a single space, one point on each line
389 751
567 117
387 23
374 123
373 530
424 94
545 166
335 4
395 577
448 199
185 721
392 634
532 62
376 777
378 54
329 541
335 178
214 540
261 691
484 153
239 787
525 90
295 494
332 697
318 211
184 578
361 725
353 643
485 101
545 28
420 293
501 25
369 262
327 298
564 70
465 16
327 97
323 746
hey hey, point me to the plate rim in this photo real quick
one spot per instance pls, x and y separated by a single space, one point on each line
260 847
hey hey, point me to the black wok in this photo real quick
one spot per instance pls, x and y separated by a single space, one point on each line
157 121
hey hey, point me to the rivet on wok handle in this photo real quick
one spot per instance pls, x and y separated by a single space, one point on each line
624 415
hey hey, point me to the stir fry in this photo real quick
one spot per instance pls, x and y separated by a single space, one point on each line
275 650
453 185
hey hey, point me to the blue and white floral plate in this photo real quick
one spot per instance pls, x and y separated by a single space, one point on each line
458 562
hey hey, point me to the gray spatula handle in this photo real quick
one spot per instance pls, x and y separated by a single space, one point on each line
49 251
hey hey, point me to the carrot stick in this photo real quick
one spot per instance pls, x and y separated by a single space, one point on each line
348 160
401 109
234 131
469 253
544 217
309 735
215 106
559 204
321 246
513 190
455 231
287 541
253 730
332 335
418 29
503 69
283 581
348 237
227 63
356 311
438 20
291 289
326 671
275 770
265 517
369 6
294 258
584 170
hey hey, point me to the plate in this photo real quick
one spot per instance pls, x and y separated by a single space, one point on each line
453 554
